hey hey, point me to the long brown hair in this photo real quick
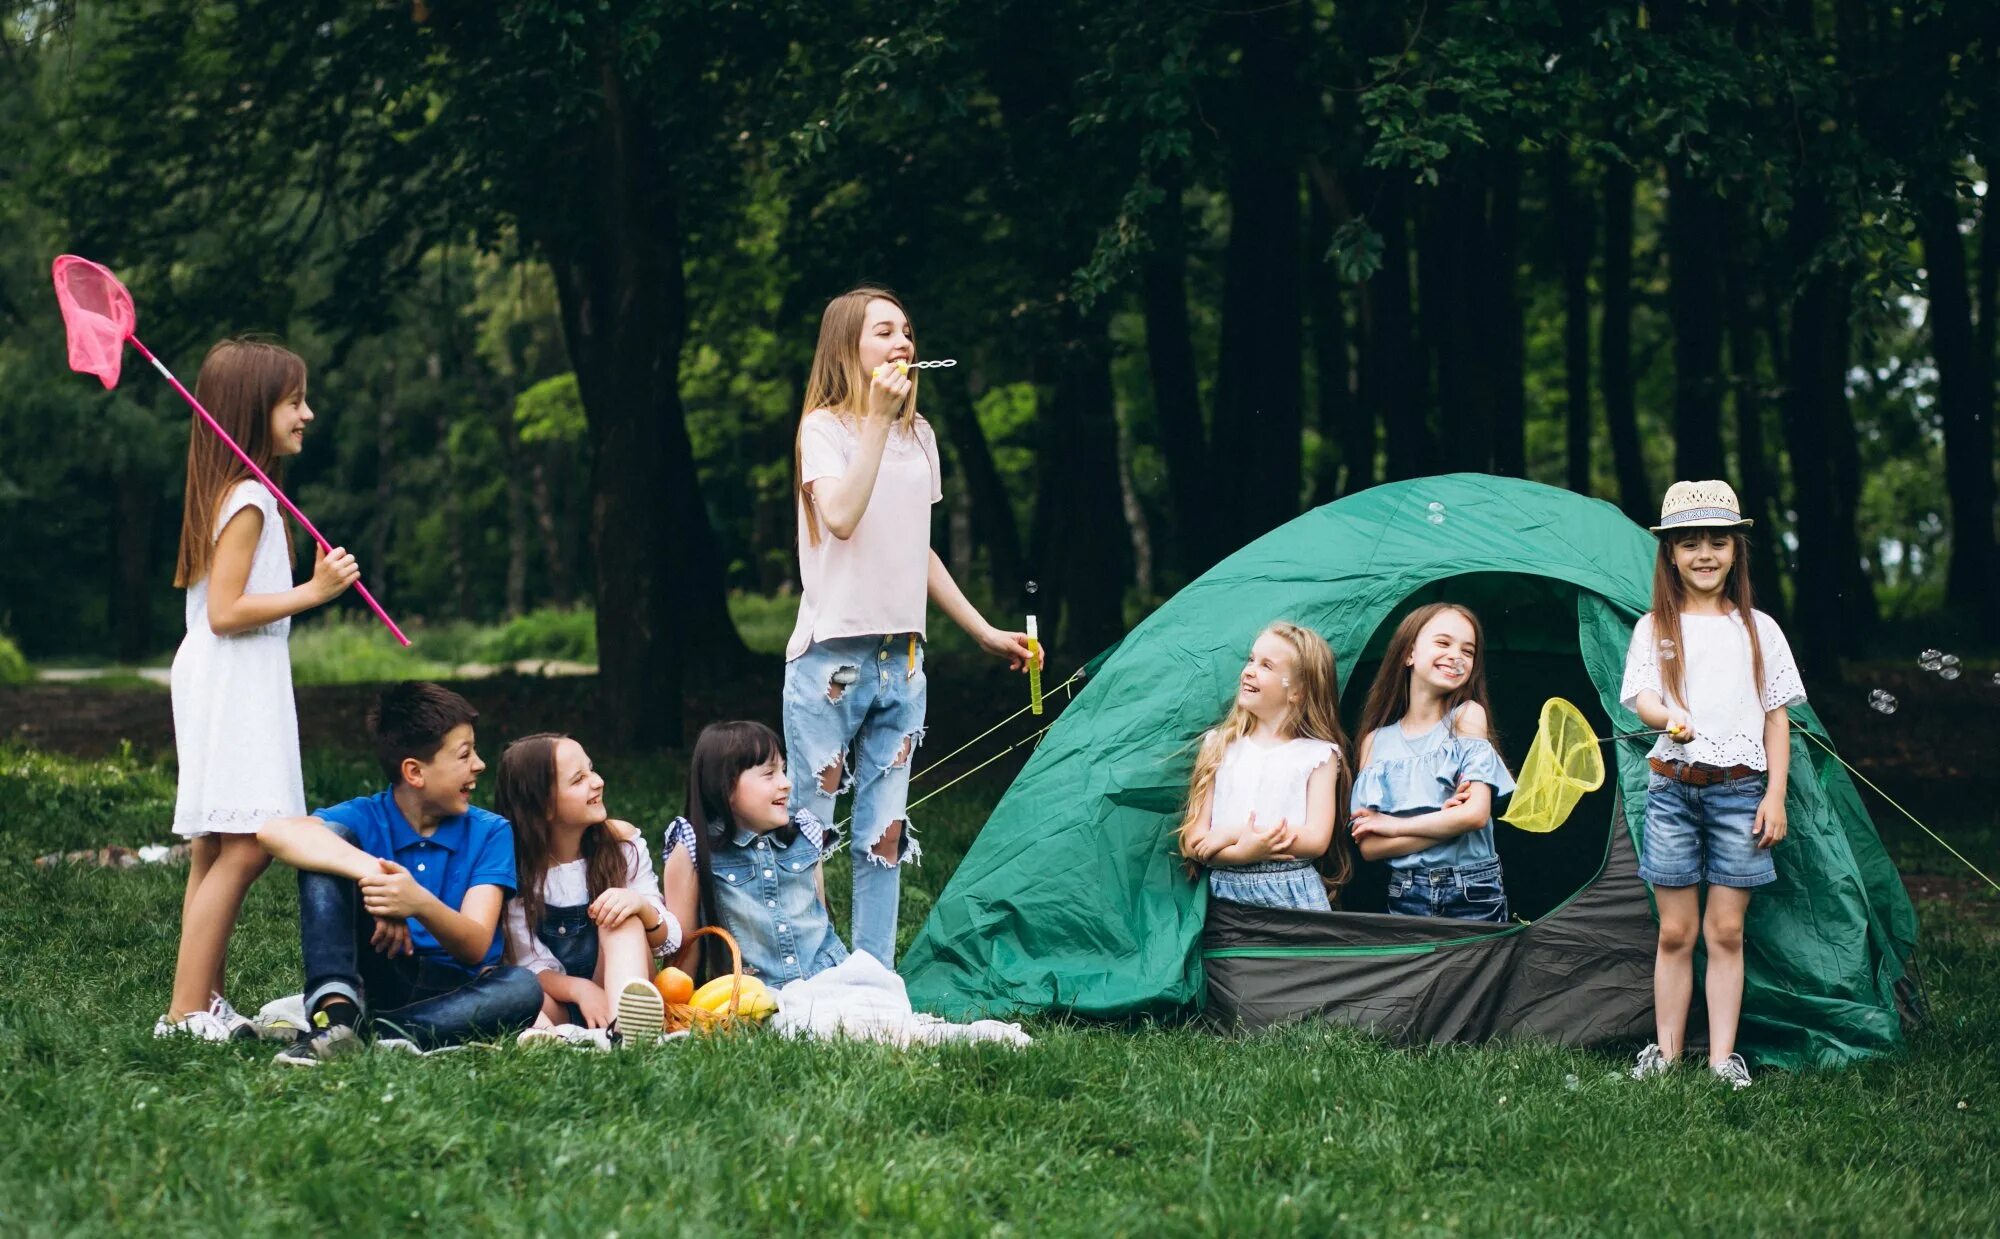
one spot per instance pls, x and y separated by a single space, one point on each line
1316 714
1670 596
1389 696
837 383
721 754
241 381
526 798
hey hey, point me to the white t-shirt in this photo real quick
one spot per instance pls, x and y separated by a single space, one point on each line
1722 702
566 886
1267 779
875 582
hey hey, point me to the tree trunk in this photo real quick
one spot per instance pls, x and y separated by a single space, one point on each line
1857 586
993 524
1965 403
1573 234
1621 418
1814 382
561 592
1331 367
1135 511
1755 488
1176 395
1694 304
1508 348
1393 376
382 524
622 289
1255 466
1077 506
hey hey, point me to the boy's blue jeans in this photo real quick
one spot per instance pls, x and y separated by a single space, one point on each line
427 1001
856 704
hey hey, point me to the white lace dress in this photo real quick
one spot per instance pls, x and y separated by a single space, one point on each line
235 728
1722 698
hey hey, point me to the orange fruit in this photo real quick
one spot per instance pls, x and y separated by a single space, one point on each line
674 985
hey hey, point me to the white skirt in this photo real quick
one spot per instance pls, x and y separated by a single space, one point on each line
236 731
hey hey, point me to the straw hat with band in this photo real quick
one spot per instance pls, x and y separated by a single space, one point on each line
1700 505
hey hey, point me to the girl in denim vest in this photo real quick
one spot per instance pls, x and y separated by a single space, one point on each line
1264 801
587 917
1430 776
757 859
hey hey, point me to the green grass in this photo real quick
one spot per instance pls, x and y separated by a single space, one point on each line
1091 1130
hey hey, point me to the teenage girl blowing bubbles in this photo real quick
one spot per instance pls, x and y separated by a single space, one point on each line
588 918
1279 755
236 732
855 692
1717 676
1423 800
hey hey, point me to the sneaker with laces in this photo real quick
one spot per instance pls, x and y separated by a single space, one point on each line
331 1042
1651 1063
238 1024
567 1034
200 1025
641 1013
1733 1070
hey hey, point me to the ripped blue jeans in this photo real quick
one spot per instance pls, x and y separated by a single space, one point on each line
854 715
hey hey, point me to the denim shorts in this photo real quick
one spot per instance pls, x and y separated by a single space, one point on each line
1271 884
1462 892
1704 834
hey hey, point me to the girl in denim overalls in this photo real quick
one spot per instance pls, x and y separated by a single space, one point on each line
1716 677
867 468
1430 776
1264 800
587 917
757 858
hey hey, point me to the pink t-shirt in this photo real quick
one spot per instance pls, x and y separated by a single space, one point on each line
875 582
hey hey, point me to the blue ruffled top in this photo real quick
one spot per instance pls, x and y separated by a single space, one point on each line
1409 775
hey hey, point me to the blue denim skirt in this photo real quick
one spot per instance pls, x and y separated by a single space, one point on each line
1271 884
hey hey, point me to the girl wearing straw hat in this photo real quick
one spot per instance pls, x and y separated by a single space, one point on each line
1717 677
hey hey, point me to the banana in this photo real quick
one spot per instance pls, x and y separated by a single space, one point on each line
754 1001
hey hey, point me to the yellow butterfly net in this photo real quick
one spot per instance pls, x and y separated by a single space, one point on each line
1562 764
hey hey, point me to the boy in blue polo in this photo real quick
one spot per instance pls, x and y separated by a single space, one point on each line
400 893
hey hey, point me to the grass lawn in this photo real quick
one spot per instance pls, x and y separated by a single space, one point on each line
1091 1130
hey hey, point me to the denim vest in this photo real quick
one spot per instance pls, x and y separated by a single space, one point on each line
766 895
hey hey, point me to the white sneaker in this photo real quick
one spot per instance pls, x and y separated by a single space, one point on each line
1733 1070
238 1024
1651 1063
405 1046
283 1019
567 1034
201 1025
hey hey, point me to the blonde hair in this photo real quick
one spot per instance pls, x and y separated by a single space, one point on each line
1316 714
837 383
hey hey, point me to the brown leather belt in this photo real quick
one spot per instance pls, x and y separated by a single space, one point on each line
1699 774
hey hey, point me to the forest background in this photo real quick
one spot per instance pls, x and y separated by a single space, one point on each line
557 267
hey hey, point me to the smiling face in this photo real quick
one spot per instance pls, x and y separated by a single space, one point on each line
1267 687
761 798
1443 654
289 419
1703 558
885 336
579 791
446 782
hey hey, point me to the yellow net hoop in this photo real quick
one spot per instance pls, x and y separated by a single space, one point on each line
1562 764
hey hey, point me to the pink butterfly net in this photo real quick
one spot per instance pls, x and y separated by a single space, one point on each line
99 318
97 312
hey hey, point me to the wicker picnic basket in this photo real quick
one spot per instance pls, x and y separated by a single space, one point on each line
680 1015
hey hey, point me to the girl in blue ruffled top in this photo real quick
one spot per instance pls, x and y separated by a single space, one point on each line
1265 797
1430 775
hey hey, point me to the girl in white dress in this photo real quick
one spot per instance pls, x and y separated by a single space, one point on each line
236 732
1267 785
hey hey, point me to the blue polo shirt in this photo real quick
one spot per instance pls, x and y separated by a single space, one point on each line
475 848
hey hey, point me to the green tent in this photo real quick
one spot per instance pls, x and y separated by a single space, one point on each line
1072 898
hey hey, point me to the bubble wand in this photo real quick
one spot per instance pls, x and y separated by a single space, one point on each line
904 367
1034 667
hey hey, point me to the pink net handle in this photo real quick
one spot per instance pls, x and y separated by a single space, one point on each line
97 315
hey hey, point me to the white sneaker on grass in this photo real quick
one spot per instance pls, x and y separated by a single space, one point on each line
567 1034
1734 1071
641 1013
331 1042
200 1025
1651 1063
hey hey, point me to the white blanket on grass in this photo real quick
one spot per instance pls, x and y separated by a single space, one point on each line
861 999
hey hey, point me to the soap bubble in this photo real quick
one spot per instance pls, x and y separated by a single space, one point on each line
1949 673
1996 679
1667 650
1930 660
1434 513
1436 507
1949 660
1435 518
1571 1083
1032 587
1881 702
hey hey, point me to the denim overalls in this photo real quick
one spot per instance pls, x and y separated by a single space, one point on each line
766 893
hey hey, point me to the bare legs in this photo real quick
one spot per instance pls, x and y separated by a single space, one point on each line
1721 931
220 871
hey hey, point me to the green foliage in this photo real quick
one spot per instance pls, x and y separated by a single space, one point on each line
551 411
567 635
14 669
347 649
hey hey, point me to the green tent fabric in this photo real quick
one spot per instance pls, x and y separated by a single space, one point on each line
1072 898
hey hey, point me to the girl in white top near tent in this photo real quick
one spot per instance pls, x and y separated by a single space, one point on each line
587 918
1717 676
236 730
855 692
1268 782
